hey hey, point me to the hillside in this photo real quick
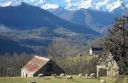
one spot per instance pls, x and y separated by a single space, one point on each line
36 28
9 46
28 17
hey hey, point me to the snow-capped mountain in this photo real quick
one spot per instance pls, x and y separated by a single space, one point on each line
104 5
41 3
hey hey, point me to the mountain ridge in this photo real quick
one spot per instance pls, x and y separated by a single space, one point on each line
36 28
96 20
105 5
27 16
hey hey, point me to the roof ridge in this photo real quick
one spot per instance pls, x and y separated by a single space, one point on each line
43 58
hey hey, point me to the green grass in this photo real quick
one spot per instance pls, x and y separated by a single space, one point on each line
56 80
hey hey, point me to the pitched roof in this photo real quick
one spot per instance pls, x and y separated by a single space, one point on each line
35 64
97 49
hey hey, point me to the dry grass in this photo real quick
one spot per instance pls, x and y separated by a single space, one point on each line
50 79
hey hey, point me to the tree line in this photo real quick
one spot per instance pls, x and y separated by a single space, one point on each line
10 65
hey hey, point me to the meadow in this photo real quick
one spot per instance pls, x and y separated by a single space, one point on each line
50 79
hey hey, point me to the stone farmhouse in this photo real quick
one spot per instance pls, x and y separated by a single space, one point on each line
40 65
108 67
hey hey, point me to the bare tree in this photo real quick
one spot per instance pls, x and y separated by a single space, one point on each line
10 65
59 48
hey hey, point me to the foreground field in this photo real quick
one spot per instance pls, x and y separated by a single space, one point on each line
56 80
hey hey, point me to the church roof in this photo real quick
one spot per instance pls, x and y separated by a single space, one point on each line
97 49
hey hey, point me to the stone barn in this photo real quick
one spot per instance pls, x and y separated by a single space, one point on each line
108 67
40 65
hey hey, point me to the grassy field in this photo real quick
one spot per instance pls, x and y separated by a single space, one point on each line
56 80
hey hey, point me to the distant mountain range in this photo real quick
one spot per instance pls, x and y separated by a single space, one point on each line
36 28
99 21
31 29
100 5
29 17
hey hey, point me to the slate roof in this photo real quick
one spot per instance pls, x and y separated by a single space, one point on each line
97 49
35 64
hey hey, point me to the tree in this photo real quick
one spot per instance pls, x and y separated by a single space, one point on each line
59 48
10 65
117 43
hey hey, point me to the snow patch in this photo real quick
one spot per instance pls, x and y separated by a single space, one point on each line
68 3
50 6
99 5
6 4
85 4
114 5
